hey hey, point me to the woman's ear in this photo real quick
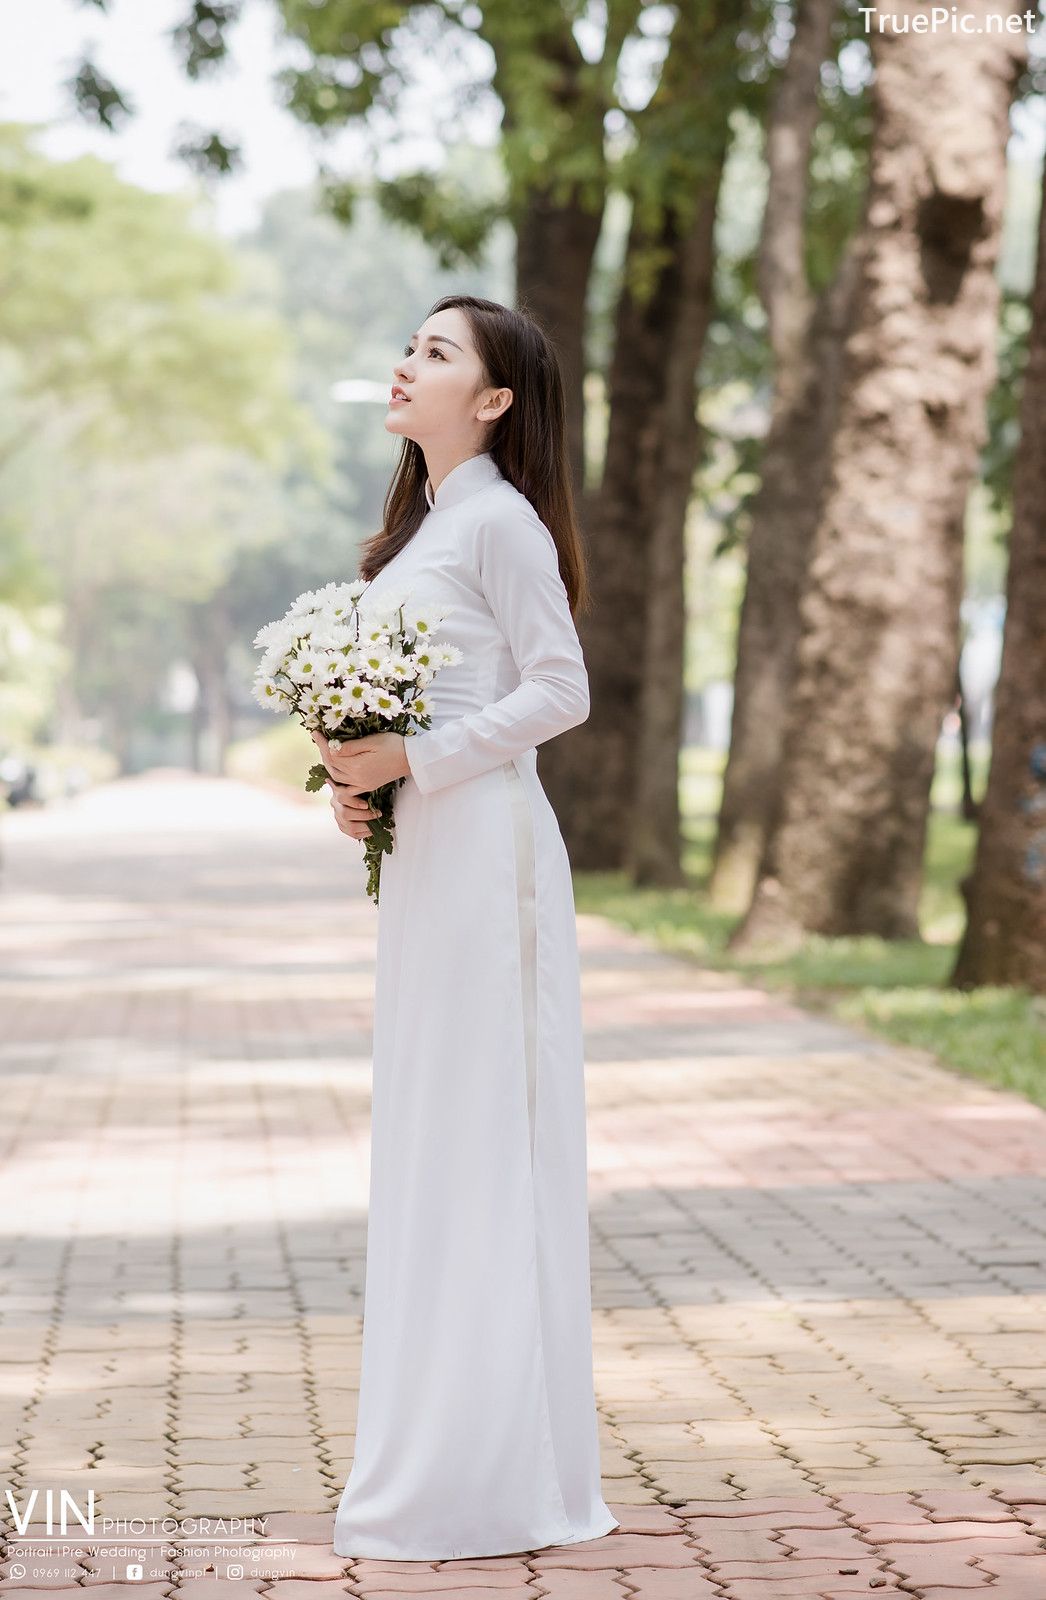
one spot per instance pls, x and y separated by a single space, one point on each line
496 406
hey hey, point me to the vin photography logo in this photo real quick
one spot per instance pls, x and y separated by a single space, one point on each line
136 1549
67 1502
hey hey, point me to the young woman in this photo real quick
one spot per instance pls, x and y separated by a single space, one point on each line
476 1433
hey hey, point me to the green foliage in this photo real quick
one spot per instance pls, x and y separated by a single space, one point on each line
148 418
207 152
454 225
1004 403
33 657
995 1035
343 29
120 309
96 96
202 44
277 755
328 97
842 141
201 39
736 377
556 99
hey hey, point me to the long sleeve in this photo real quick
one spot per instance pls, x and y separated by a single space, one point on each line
519 573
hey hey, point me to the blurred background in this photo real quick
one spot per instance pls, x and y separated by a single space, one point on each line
791 260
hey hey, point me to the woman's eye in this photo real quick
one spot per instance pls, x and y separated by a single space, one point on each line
433 351
408 350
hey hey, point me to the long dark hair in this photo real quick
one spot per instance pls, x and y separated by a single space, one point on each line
527 443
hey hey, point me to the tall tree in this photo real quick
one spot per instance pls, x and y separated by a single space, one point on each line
616 792
149 419
556 99
1005 937
875 664
360 70
555 105
806 331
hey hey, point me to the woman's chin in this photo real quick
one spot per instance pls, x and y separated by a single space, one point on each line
394 424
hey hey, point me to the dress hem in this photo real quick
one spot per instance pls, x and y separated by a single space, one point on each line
381 1550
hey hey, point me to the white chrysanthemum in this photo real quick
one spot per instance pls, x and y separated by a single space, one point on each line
321 634
339 598
423 615
302 606
402 666
374 661
303 668
330 666
355 690
445 655
384 703
276 636
268 693
270 632
421 705
275 657
374 630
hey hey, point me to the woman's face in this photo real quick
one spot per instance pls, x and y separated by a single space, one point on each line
447 402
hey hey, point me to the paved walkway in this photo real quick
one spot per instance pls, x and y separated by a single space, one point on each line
818 1262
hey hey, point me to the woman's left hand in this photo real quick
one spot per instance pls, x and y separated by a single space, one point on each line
363 765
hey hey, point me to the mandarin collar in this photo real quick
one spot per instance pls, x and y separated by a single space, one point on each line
470 475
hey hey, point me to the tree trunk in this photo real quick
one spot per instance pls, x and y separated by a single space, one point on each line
785 514
590 790
197 724
654 839
553 104
968 808
1005 938
555 245
806 339
879 619
636 518
211 727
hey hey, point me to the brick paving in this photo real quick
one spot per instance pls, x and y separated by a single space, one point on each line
819 1262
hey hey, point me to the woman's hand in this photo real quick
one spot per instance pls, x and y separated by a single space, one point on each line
350 811
359 767
365 764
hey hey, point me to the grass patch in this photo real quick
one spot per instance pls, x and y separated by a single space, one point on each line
895 988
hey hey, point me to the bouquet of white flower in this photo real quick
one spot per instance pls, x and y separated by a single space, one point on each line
348 670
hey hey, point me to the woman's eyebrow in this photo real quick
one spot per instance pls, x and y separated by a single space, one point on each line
440 337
